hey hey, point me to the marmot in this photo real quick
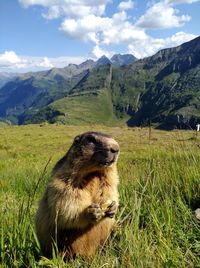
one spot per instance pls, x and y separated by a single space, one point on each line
77 210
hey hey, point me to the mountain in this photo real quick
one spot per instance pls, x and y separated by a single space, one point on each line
172 98
117 60
102 61
5 77
120 60
89 101
88 64
30 92
162 90
33 91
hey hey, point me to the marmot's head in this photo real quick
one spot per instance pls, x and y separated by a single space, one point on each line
96 148
92 151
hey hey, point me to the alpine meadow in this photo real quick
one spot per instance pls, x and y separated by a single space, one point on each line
159 192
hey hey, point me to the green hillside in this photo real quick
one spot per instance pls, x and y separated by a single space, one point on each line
33 91
88 107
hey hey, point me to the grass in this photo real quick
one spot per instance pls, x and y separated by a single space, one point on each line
93 108
159 190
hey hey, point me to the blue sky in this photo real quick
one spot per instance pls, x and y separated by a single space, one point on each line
41 34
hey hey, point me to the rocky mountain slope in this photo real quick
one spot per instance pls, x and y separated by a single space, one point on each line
172 98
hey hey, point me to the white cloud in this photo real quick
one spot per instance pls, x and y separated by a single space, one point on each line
97 52
128 34
161 15
146 47
9 57
10 61
46 63
70 8
181 1
87 28
126 5
150 46
53 13
178 38
103 30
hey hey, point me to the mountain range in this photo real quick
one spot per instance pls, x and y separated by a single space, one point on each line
6 77
162 90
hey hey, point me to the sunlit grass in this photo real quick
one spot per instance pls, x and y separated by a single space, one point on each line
159 190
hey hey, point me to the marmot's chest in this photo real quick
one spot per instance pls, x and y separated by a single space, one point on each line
98 188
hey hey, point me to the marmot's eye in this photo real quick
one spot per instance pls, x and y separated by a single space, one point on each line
91 139
77 139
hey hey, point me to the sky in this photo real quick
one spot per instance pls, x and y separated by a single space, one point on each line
42 34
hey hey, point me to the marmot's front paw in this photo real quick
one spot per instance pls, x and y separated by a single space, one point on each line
94 212
111 210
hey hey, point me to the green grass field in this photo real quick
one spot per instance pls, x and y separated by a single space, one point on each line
159 190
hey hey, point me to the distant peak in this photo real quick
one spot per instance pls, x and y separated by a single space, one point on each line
103 57
87 64
71 65
103 60
125 59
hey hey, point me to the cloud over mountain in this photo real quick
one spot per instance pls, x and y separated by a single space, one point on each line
89 21
10 61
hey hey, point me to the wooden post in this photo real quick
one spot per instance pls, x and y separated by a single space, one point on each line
140 134
149 130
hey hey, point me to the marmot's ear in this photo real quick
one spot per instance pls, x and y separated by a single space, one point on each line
77 139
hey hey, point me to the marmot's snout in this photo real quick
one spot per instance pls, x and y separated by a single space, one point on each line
109 153
99 148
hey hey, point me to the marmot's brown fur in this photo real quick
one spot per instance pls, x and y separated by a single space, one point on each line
78 207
